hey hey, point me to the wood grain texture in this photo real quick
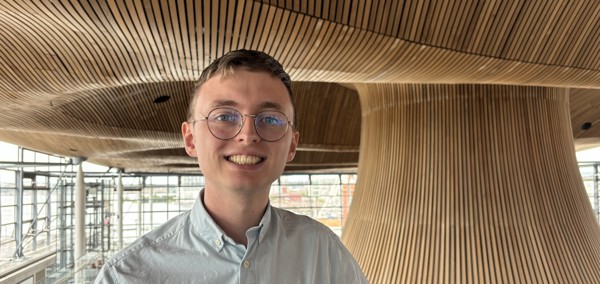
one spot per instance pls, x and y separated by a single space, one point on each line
79 77
470 184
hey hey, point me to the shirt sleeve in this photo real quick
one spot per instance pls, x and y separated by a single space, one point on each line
344 267
105 276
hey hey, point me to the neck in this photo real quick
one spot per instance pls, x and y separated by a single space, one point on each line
235 214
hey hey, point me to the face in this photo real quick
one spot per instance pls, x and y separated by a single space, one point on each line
246 163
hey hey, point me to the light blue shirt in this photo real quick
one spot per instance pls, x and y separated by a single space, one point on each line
191 248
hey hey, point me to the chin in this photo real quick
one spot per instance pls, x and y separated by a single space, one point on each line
251 185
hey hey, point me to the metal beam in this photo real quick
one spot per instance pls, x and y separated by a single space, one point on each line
13 164
19 217
79 214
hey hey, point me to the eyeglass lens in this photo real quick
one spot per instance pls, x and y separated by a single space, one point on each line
226 123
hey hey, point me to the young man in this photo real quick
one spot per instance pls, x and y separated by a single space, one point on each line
240 127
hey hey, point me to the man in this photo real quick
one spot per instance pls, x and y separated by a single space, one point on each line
239 129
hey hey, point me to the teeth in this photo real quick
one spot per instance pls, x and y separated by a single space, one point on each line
245 159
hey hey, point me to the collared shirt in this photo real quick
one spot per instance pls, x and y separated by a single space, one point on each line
191 248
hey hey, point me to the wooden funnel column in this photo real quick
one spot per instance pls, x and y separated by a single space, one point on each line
470 184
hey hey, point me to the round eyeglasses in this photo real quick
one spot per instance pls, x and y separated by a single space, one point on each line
226 123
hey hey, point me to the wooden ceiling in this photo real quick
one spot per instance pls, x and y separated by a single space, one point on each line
80 78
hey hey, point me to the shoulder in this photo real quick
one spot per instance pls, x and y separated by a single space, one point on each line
305 228
160 236
313 241
292 220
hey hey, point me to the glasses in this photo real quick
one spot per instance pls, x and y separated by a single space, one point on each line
226 123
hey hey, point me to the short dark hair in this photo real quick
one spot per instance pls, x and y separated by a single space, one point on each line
250 60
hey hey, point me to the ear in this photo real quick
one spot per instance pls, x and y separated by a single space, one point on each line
293 146
188 138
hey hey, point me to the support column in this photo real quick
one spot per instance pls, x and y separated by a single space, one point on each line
62 225
139 207
49 213
79 214
596 179
470 184
120 211
34 213
19 215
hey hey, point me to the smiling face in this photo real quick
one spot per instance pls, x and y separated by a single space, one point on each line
246 163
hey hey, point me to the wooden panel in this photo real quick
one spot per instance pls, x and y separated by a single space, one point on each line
76 68
528 31
470 184
328 114
123 127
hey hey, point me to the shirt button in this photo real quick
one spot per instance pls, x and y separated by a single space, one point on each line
246 264
218 243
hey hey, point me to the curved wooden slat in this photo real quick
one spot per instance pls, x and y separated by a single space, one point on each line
470 184
63 63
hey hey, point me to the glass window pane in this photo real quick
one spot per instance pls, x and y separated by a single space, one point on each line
41 157
192 181
42 195
8 196
41 181
131 181
159 217
27 212
190 193
27 196
157 180
9 152
57 169
589 187
173 214
274 190
147 203
8 214
28 156
173 204
8 231
274 201
173 180
294 179
586 171
325 179
7 179
55 159
348 179
42 213
130 218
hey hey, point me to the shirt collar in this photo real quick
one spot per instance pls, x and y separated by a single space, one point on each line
265 223
207 229
204 225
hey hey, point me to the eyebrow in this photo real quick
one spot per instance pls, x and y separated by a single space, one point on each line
271 105
230 103
223 103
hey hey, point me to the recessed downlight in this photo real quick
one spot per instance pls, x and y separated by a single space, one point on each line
162 99
586 126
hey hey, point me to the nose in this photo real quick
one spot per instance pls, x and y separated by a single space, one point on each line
248 132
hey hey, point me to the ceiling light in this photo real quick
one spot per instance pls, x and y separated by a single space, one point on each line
162 99
586 126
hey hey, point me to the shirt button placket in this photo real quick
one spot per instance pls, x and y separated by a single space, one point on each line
247 274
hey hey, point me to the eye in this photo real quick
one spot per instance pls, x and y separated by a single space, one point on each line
224 116
272 120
